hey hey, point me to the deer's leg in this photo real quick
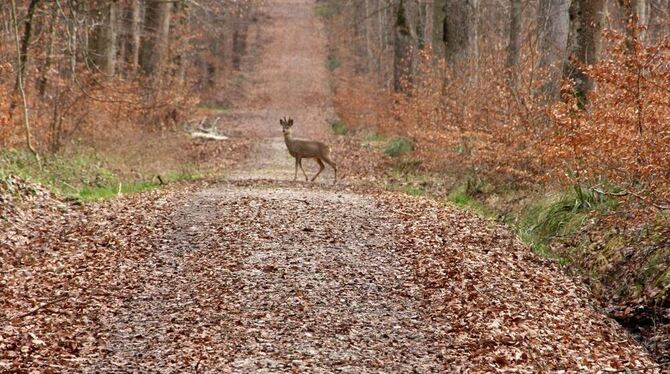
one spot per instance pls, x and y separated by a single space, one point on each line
303 170
331 163
321 167
297 161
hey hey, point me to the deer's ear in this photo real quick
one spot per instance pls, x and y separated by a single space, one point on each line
290 121
281 122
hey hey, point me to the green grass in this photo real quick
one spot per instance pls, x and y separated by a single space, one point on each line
324 10
338 127
213 105
333 63
460 197
398 146
83 175
559 215
375 137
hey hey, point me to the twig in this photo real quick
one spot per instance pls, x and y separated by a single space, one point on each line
41 306
626 193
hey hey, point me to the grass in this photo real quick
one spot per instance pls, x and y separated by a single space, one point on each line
559 215
375 138
460 197
83 175
398 146
333 63
213 105
323 10
338 127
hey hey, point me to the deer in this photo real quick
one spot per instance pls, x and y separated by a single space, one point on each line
300 148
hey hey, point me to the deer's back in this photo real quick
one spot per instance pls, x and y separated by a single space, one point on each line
307 148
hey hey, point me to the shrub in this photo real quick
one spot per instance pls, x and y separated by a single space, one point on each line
338 127
398 146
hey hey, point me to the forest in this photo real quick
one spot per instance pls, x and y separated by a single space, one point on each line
533 133
551 115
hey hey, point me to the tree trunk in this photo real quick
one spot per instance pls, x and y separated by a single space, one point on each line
155 39
20 75
404 41
553 26
104 39
637 9
514 47
587 18
42 83
461 34
25 41
135 33
462 37
439 8
428 23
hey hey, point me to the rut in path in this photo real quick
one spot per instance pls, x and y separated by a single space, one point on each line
260 275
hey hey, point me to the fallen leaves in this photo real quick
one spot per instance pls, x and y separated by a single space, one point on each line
228 278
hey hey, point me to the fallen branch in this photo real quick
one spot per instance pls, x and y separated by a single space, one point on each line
41 306
631 193
208 136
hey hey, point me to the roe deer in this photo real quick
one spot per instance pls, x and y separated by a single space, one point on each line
299 149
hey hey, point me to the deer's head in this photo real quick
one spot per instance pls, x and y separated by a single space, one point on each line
286 125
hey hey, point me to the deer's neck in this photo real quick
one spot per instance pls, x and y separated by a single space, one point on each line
288 139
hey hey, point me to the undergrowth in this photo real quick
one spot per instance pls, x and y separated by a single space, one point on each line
398 146
338 127
83 175
555 215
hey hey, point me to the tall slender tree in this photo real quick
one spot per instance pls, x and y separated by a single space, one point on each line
553 24
154 46
514 46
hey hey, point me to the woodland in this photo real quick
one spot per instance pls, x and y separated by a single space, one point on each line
521 146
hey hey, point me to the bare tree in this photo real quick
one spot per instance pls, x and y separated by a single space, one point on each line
25 41
514 46
553 23
133 32
405 41
105 38
636 10
461 33
587 18
155 38
20 63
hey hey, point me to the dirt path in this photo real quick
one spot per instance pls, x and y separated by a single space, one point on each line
290 78
261 274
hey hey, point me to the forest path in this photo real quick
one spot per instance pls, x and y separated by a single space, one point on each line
261 274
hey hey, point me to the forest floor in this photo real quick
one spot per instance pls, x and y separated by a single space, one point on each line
257 273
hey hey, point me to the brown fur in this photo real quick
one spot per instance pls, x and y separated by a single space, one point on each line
300 148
